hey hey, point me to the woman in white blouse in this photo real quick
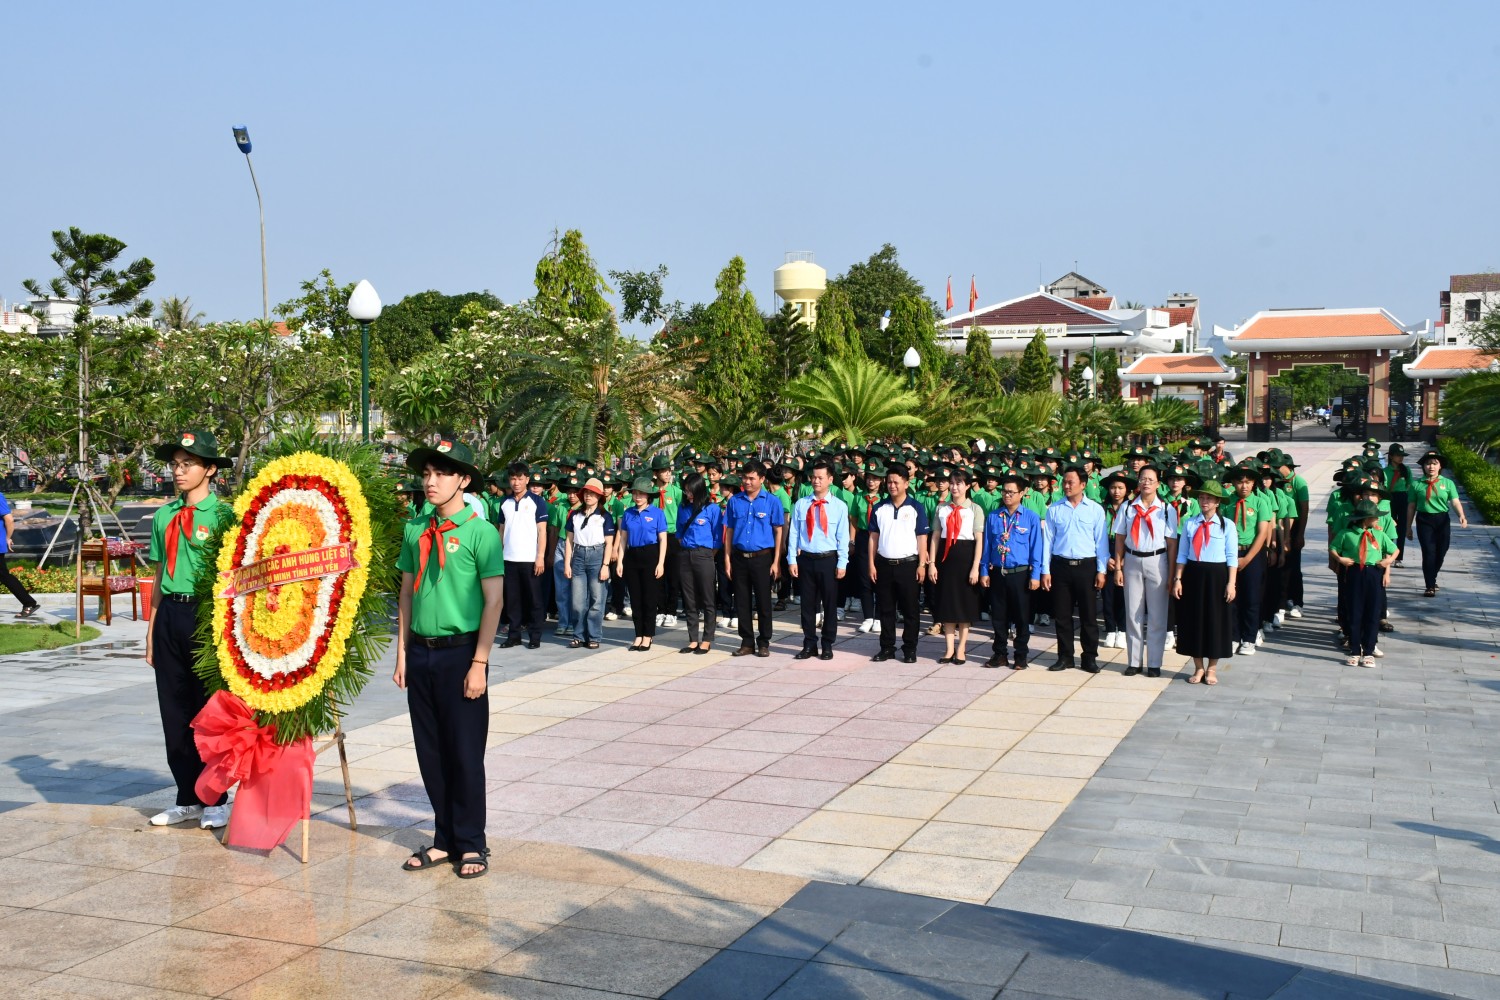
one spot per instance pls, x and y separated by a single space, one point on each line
956 542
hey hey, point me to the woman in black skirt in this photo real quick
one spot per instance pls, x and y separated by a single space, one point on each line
957 542
1207 557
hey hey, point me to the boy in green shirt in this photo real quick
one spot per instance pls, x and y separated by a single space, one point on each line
449 609
180 530
1430 498
1364 554
1254 519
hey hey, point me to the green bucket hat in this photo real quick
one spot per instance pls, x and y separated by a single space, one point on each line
1211 488
197 442
646 485
660 462
1364 509
446 451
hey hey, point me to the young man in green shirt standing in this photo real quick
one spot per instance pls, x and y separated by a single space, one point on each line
452 594
179 532
1431 497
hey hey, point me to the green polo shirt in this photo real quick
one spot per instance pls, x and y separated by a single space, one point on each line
1443 495
1037 502
615 506
1286 507
451 600
1186 506
1300 492
557 514
1247 520
1394 485
668 500
860 507
210 515
1346 544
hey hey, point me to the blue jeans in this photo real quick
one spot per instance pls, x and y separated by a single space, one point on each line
588 592
560 587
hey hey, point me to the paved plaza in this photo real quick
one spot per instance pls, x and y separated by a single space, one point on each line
741 827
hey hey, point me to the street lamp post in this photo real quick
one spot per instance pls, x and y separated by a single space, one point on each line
242 140
364 306
1088 379
912 360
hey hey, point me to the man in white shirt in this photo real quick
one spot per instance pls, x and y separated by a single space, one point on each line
897 564
1145 539
523 530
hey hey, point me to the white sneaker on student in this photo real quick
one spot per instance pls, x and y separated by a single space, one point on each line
839 614
669 621
215 817
1379 651
1295 612
818 622
175 815
1278 619
734 623
1247 649
1044 620
1260 637
868 625
610 616
661 620
1171 639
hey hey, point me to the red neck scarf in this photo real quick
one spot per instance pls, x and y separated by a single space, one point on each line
1430 484
1240 506
955 524
822 516
432 538
181 525
1201 537
1366 539
1142 515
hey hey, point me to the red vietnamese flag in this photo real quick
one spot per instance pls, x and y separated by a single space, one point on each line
949 307
973 294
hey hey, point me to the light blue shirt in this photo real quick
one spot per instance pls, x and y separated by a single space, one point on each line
1079 532
835 539
1221 547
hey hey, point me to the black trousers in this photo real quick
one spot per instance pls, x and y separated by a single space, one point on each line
1111 604
1366 586
818 584
671 577
1433 533
1399 505
1273 592
16 588
179 695
1010 604
1248 588
726 585
644 587
1293 577
524 604
752 592
700 580
1073 588
449 733
898 593
858 576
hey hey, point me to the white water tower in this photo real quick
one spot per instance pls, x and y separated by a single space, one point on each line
800 283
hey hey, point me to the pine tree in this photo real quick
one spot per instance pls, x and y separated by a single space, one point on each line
912 325
978 371
735 372
1078 386
1037 367
1107 376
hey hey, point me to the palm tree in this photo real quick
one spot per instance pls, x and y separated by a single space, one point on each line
1022 418
1167 416
596 395
1471 409
854 400
174 313
951 416
1080 421
716 426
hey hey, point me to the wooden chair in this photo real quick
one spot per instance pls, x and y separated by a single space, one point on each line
103 551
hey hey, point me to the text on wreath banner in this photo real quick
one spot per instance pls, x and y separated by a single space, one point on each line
289 567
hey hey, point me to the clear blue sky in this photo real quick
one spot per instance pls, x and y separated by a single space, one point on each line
1278 154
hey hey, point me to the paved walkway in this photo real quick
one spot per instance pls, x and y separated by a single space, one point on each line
1315 815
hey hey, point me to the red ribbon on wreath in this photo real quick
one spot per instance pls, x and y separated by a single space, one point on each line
275 780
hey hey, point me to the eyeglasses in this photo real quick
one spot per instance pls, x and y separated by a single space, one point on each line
1010 493
184 466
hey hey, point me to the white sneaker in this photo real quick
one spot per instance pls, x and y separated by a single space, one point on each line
818 622
175 815
627 612
796 600
868 625
671 621
215 817
661 620
1171 640
610 616
1260 637
1278 619
1247 649
984 616
1379 651
734 623
1044 620
1295 612
839 614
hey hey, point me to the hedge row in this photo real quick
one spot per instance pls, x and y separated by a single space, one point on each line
1480 479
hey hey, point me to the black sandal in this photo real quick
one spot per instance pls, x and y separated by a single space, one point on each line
592 644
425 861
483 861
576 644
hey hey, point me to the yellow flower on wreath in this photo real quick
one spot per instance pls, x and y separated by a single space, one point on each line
341 479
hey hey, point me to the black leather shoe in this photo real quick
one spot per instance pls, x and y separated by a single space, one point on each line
827 653
908 657
806 654
779 607
764 649
1153 672
1091 668
511 641
883 655
1020 664
1061 665
534 644
996 661
744 651
1132 670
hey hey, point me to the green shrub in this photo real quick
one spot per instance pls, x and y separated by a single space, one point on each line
1480 479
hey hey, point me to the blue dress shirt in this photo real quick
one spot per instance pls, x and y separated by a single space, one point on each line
1012 540
754 522
705 530
1223 546
835 539
1080 532
642 525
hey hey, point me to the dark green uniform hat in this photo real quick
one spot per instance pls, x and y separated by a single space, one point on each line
1212 488
646 485
660 462
197 442
446 451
